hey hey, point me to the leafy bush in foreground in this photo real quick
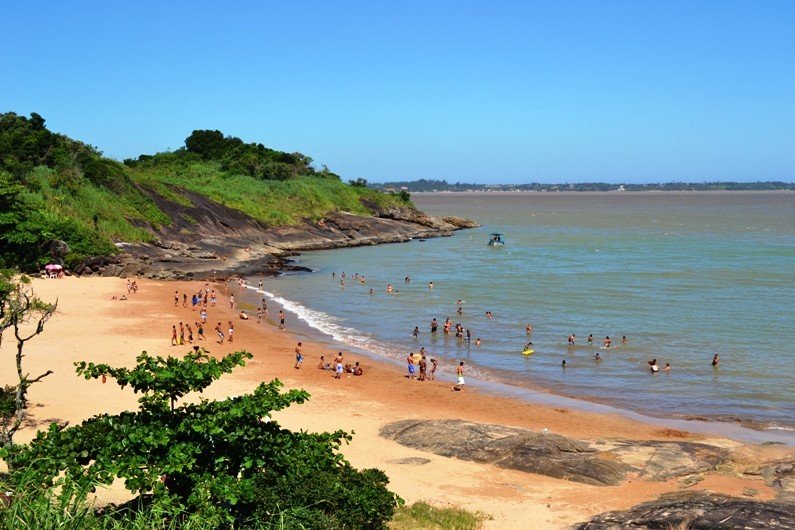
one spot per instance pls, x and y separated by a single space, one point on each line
225 461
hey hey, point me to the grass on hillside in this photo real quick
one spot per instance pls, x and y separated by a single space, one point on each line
274 202
113 209
421 515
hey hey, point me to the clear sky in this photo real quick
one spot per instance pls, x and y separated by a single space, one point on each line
505 92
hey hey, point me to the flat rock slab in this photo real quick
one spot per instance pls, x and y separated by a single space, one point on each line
553 455
696 510
778 475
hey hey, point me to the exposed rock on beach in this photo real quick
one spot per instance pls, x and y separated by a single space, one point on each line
697 510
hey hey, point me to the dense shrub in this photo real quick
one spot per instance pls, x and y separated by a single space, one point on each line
225 461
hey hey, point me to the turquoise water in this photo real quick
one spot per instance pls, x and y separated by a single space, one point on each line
682 275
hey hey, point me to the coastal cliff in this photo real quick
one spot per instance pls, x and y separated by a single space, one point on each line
208 240
215 207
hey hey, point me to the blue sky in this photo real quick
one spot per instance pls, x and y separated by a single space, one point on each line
567 91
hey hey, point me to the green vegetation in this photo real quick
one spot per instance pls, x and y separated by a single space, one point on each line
421 515
22 317
53 188
212 464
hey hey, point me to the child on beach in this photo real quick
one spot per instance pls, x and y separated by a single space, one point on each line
434 366
220 333
231 330
173 335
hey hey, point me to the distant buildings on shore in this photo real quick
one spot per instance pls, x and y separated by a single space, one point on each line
422 185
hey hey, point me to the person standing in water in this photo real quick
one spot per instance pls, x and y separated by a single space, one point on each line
607 342
715 360
571 339
416 332
590 339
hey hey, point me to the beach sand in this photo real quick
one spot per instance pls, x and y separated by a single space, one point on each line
91 326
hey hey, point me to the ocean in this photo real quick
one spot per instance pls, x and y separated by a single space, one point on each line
682 275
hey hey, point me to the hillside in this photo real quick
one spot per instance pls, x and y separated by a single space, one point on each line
216 205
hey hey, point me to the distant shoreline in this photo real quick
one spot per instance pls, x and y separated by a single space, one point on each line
593 192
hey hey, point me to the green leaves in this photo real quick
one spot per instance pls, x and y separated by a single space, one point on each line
163 380
224 458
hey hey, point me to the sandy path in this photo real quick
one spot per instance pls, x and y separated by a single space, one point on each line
91 326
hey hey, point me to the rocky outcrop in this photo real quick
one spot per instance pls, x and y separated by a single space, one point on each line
598 463
697 510
207 240
778 475
460 222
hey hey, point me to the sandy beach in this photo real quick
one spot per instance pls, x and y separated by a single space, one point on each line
91 325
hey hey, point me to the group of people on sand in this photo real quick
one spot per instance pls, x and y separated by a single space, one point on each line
185 333
202 298
200 301
339 366
419 363
132 288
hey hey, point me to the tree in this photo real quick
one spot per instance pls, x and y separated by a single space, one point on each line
206 143
25 314
224 459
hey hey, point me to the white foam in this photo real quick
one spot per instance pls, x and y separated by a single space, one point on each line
325 323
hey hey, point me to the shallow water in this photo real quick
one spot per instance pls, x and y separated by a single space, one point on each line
682 275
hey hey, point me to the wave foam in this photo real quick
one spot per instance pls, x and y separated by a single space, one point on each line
326 324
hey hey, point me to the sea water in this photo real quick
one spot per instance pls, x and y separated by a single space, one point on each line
682 275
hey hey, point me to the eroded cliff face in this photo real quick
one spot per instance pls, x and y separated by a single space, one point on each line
209 240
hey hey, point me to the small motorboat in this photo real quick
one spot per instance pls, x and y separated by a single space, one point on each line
496 239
